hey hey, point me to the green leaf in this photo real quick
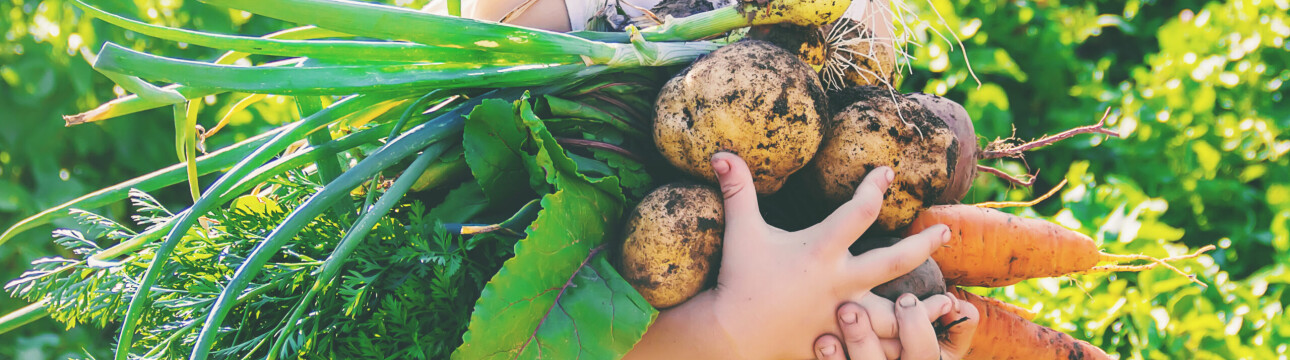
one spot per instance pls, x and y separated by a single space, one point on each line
549 300
558 296
494 141
631 174
461 203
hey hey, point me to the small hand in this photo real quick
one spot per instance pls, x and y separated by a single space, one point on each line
776 287
879 329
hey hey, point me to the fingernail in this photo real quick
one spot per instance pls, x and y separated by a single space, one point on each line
849 318
721 166
828 350
907 300
891 175
945 235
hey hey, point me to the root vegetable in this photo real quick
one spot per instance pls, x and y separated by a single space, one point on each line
929 141
751 98
807 42
874 129
860 47
1004 335
672 243
992 248
978 299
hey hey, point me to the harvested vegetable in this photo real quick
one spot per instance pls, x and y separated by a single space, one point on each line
974 298
1004 335
807 42
993 248
929 141
751 98
868 130
861 48
672 243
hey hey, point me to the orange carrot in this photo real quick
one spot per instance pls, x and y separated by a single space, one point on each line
1003 335
974 298
993 248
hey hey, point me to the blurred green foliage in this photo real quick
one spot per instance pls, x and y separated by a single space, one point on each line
1195 86
1196 89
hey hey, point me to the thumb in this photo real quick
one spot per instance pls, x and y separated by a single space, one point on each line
737 187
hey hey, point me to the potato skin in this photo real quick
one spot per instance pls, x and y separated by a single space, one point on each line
868 134
672 243
750 98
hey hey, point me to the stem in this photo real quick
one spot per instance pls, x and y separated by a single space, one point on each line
164 177
24 316
133 103
1004 204
355 237
1155 262
210 199
331 79
264 173
599 145
328 166
1049 140
1005 176
437 131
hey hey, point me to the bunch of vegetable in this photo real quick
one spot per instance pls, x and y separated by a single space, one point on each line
459 187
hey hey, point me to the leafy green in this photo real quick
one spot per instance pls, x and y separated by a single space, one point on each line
495 146
558 286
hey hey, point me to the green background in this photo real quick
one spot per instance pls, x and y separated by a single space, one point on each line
1195 86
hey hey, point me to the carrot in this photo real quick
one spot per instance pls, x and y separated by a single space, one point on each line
974 298
1004 335
993 248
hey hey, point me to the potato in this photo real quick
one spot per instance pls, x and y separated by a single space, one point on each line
807 42
869 133
750 98
672 243
861 48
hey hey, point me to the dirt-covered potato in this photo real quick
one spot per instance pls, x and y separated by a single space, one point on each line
870 133
861 48
923 282
807 42
751 98
672 243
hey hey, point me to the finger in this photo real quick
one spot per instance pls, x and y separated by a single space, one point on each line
857 332
827 347
850 220
881 265
882 315
958 338
937 306
891 349
738 189
917 336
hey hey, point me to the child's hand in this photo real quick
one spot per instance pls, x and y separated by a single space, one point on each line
776 290
879 329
